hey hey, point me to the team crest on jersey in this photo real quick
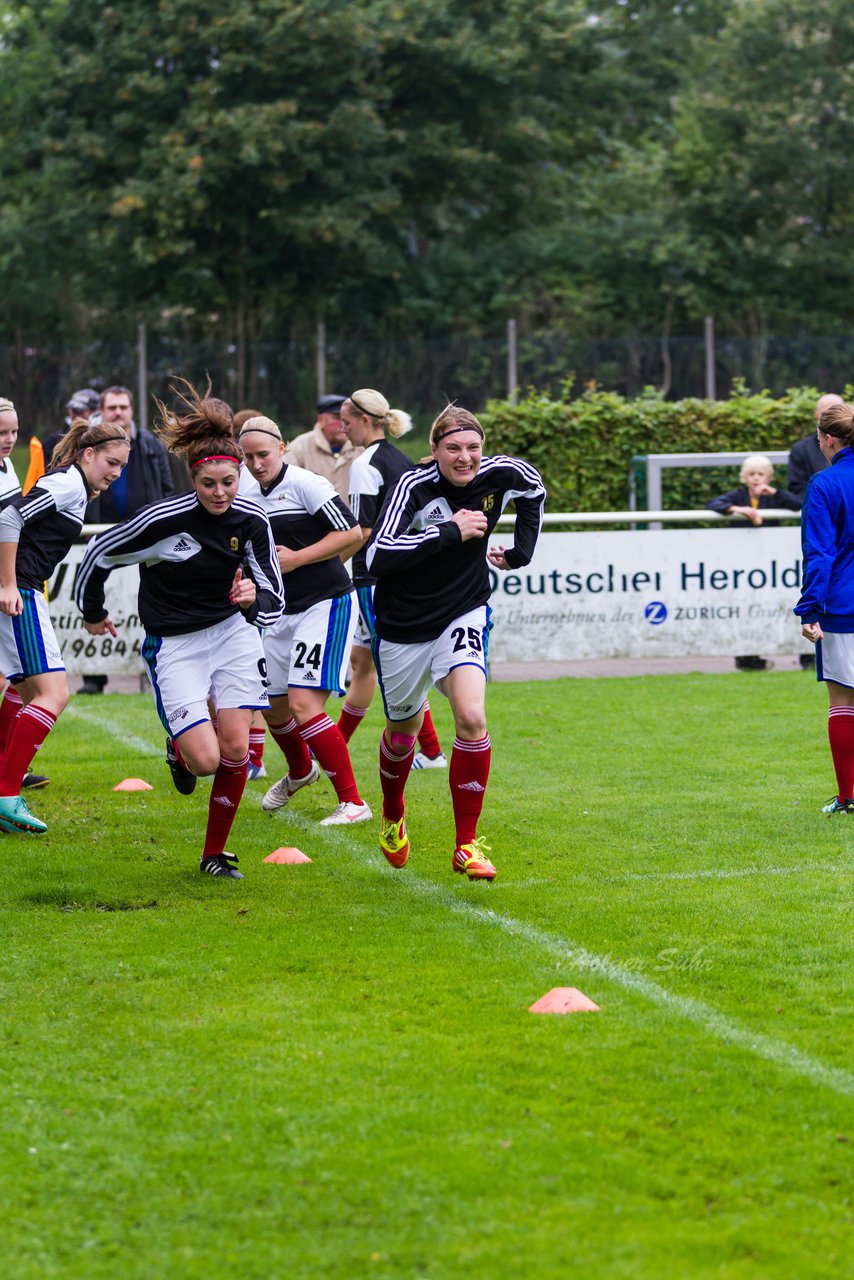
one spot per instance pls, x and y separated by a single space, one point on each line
489 502
234 543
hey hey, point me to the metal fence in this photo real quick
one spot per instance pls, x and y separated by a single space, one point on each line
282 376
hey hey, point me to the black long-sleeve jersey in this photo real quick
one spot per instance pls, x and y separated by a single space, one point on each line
303 508
52 515
372 475
426 575
187 559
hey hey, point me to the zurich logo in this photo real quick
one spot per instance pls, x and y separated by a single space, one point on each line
655 613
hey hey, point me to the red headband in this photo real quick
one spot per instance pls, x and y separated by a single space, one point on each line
217 457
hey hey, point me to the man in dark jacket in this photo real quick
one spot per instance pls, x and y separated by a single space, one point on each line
805 457
146 479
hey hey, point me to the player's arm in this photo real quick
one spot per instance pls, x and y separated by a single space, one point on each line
23 509
343 539
818 538
131 543
528 494
394 544
263 566
10 596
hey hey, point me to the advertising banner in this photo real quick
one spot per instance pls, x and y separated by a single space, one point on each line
651 593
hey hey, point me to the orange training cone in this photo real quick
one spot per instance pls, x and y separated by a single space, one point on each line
133 784
288 854
564 1000
35 470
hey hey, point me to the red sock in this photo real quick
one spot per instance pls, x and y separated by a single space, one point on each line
394 770
350 719
840 730
289 741
256 747
9 709
427 739
329 747
467 778
29 731
228 783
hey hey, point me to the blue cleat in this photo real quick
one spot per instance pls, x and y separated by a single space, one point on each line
16 817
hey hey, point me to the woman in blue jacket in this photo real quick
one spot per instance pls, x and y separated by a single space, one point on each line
826 606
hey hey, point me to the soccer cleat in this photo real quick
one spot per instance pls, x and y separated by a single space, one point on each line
394 842
429 762
16 817
471 860
283 791
255 771
34 780
347 812
220 864
184 780
833 806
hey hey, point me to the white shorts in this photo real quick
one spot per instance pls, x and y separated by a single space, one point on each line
364 633
224 662
406 671
28 643
311 650
834 658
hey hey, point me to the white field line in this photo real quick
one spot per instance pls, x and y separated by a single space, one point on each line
731 873
702 1015
116 731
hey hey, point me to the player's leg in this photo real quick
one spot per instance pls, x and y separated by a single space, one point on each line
284 730
362 688
429 754
404 677
459 671
319 657
840 732
30 655
178 669
257 742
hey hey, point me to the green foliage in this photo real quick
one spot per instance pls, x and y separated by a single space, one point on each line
584 445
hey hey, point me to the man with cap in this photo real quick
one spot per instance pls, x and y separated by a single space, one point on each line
326 449
83 404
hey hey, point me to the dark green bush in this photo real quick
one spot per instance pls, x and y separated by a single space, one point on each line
584 445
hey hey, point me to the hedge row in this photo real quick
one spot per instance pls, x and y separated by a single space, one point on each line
584 445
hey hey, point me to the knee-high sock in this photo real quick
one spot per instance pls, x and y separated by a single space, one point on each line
10 707
228 783
840 730
350 719
394 770
29 731
428 739
329 747
467 777
289 740
256 746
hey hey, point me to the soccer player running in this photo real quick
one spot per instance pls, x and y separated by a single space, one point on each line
196 602
826 606
429 554
37 531
307 651
367 417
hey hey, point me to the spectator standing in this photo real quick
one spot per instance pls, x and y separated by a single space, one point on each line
327 449
754 494
806 457
147 478
83 404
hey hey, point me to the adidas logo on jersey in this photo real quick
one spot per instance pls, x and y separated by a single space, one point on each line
470 786
182 545
436 514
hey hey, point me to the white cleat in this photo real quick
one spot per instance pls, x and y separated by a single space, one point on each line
283 791
347 812
429 762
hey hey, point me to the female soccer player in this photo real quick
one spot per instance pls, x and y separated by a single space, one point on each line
826 606
429 554
36 533
195 602
366 416
307 651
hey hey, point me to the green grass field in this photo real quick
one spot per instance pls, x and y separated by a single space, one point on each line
329 1070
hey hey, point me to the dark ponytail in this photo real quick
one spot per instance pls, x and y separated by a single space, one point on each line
202 430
